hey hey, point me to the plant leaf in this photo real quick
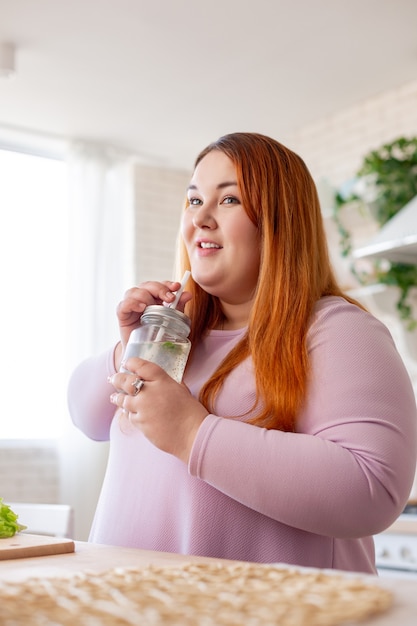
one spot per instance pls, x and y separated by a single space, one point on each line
9 525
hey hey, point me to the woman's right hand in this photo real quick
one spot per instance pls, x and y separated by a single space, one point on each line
135 301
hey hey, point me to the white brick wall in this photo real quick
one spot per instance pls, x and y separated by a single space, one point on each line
160 195
334 146
29 473
333 149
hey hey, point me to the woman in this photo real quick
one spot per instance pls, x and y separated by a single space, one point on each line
293 438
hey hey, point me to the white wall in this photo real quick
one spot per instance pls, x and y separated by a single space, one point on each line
160 195
333 147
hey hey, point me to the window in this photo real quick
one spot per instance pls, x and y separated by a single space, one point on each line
33 258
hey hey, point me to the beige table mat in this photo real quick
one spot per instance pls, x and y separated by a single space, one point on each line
209 594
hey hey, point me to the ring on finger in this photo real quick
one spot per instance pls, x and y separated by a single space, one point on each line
137 384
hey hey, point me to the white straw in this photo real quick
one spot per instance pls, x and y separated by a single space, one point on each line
184 280
173 305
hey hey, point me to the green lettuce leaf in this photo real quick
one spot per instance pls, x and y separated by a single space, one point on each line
9 525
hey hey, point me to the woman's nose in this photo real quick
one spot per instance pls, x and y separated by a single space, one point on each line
204 218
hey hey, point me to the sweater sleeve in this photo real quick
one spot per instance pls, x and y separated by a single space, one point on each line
348 470
89 396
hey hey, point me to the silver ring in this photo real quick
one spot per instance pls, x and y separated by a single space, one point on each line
138 384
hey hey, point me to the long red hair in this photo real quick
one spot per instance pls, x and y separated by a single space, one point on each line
280 197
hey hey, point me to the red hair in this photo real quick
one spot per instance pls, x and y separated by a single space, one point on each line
280 197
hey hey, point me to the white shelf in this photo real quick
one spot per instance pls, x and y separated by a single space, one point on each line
397 239
399 251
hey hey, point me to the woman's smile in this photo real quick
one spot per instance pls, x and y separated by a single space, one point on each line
207 247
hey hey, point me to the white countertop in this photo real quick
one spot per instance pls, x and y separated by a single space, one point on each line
404 525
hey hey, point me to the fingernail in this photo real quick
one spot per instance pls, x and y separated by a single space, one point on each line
113 398
110 379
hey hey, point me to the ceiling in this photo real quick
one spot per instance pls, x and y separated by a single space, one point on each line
162 78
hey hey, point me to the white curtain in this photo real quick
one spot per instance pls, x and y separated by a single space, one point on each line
101 268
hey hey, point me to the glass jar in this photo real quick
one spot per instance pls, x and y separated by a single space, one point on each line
162 338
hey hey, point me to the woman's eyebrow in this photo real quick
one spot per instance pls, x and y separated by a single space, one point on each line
231 183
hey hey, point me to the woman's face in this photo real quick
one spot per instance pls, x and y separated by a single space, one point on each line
223 244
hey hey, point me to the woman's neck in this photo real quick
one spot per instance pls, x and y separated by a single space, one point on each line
235 316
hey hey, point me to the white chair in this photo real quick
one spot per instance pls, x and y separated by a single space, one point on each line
45 519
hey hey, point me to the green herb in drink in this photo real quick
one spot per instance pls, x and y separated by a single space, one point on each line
170 345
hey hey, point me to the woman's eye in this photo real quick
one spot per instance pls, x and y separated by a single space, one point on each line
194 201
230 200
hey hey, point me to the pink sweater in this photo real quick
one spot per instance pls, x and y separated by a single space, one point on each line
311 498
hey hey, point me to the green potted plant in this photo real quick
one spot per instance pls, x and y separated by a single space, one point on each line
384 184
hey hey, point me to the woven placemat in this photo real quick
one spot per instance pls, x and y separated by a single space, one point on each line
209 594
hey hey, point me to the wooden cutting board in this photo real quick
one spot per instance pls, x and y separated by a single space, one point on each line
24 545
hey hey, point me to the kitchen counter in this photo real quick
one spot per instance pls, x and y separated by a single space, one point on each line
98 558
405 524
87 556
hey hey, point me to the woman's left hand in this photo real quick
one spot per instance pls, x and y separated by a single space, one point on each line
164 410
